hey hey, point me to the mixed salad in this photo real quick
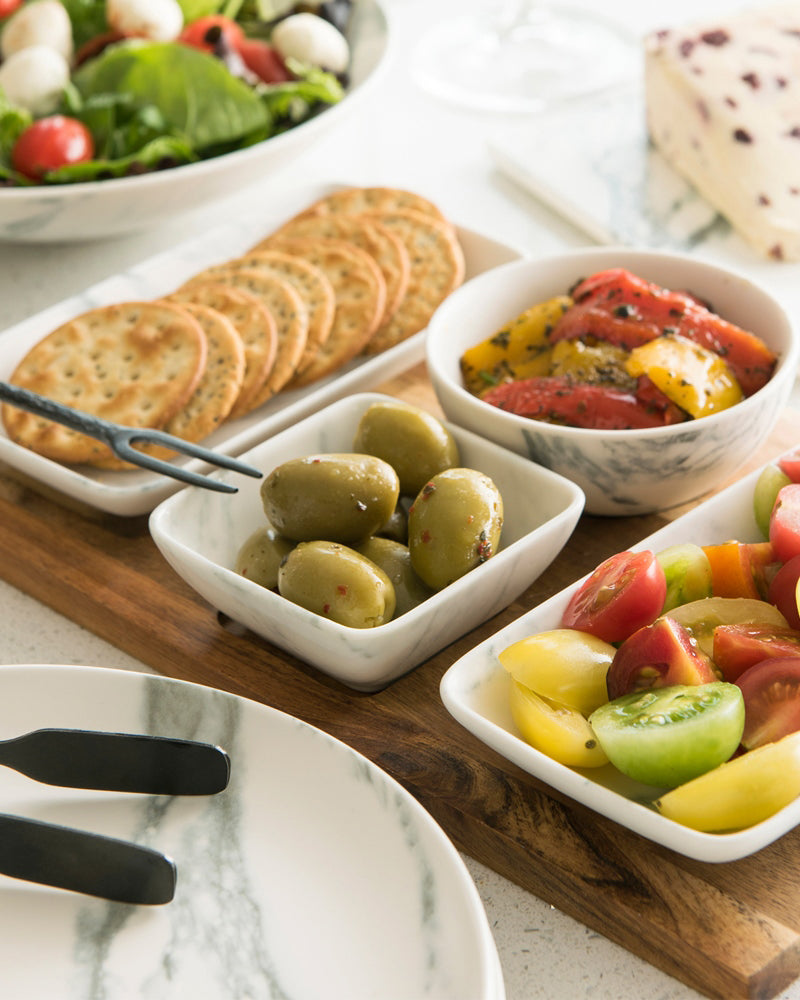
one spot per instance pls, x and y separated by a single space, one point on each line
680 669
617 352
98 89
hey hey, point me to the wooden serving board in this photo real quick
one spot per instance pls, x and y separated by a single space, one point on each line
729 930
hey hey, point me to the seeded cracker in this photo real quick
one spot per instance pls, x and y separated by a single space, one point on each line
437 269
360 299
386 249
357 200
254 324
135 363
291 321
308 281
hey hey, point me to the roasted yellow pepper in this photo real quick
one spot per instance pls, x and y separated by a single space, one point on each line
693 377
590 364
520 349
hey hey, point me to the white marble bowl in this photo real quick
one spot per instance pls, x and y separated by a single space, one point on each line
621 472
101 209
200 532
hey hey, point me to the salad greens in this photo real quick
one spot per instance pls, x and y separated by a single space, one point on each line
151 105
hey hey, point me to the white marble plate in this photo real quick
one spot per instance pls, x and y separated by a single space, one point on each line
475 691
313 875
591 162
132 493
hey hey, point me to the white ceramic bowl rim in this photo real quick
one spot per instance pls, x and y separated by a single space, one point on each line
788 359
187 171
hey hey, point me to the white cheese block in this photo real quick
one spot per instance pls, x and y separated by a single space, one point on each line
723 107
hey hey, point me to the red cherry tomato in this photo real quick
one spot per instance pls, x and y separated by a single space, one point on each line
50 143
790 466
784 523
771 691
9 6
261 59
783 591
204 33
624 593
659 655
739 647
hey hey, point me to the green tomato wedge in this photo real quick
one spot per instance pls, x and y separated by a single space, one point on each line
770 482
687 572
666 736
563 665
739 793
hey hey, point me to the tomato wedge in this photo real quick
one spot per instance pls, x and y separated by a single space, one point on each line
783 591
739 647
559 400
625 592
740 792
784 523
561 733
563 665
700 618
771 691
668 736
740 569
659 655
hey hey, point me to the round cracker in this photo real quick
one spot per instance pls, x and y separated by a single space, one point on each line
309 282
134 363
254 324
291 322
437 269
360 299
356 200
387 250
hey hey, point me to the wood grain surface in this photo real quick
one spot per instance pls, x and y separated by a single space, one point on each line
729 931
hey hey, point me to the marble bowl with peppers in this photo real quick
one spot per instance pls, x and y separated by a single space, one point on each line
646 378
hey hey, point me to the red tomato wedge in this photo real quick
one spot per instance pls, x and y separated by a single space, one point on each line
783 591
559 400
659 655
624 593
771 691
739 647
741 569
784 523
790 465
634 299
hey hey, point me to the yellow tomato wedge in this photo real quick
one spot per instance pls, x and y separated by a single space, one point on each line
740 793
554 729
694 378
564 665
518 350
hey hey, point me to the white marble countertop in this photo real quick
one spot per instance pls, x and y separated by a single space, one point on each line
408 139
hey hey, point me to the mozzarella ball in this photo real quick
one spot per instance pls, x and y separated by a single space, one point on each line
312 39
34 78
158 20
44 22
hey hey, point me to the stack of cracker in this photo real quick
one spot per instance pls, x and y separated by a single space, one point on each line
354 274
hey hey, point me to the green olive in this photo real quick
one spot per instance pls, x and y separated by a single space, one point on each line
260 556
337 582
454 525
413 442
336 497
395 561
396 527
